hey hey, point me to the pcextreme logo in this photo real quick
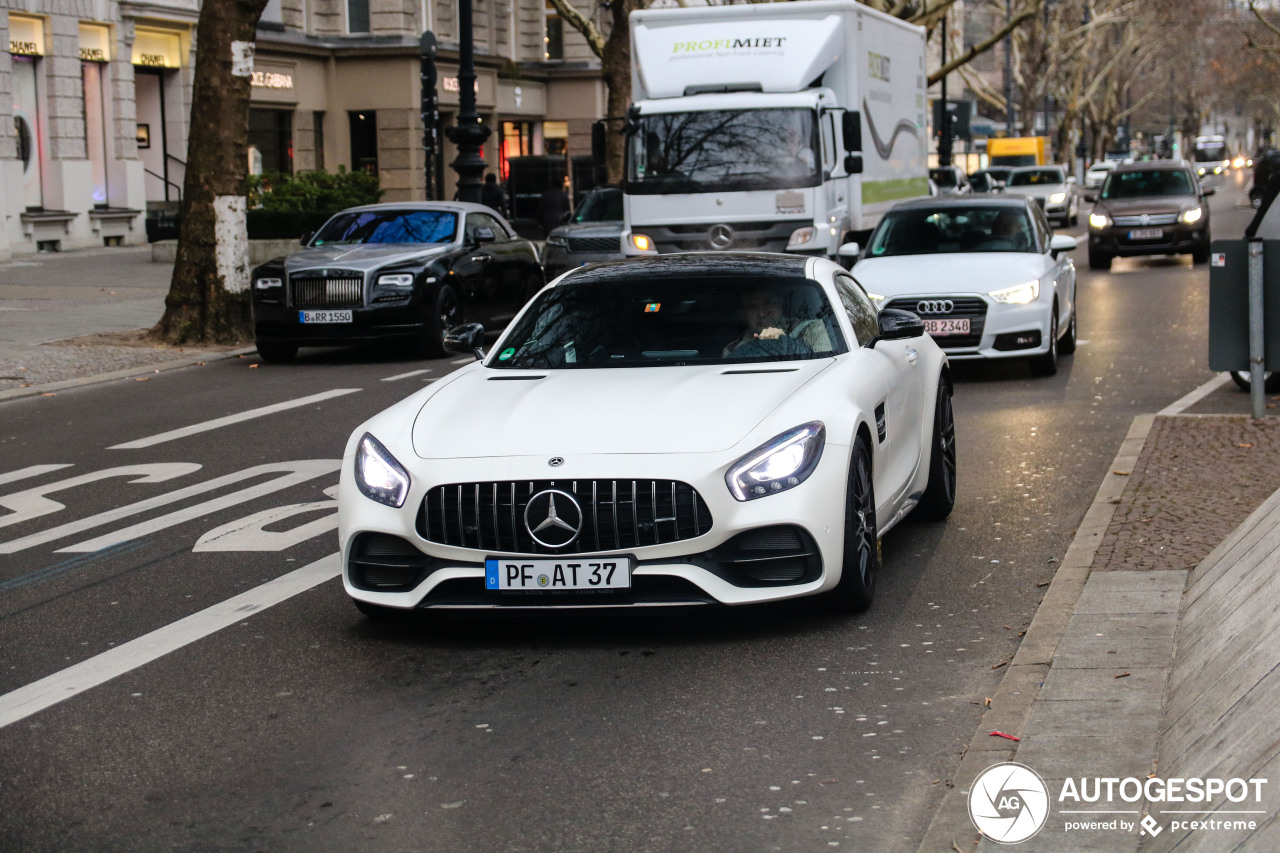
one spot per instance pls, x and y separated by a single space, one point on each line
1008 802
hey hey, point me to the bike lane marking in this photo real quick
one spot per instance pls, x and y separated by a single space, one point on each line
49 691
217 423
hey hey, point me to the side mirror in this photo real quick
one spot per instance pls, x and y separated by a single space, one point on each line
1071 179
483 235
896 324
467 339
853 164
1090 195
849 250
997 185
851 129
306 237
1060 243
1210 190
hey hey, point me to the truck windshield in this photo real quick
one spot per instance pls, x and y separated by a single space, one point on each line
1211 149
723 151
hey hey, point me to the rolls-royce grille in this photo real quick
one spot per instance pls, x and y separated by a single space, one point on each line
972 307
615 514
1151 219
595 244
346 291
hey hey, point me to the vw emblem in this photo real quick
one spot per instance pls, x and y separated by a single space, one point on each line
553 518
720 236
935 306
555 461
1144 219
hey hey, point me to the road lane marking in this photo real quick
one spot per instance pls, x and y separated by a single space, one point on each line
33 471
298 471
250 533
1179 406
405 375
32 503
463 360
196 429
35 697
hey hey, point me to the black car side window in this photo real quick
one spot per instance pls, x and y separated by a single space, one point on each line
483 220
862 314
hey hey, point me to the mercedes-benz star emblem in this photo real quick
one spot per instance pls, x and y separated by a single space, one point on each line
720 236
553 518
935 306
555 461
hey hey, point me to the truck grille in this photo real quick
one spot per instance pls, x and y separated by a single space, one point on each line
338 289
596 244
972 307
767 236
616 514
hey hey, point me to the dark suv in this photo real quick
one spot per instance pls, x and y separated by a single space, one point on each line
1155 207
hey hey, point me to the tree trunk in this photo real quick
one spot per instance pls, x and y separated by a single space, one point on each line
616 68
208 300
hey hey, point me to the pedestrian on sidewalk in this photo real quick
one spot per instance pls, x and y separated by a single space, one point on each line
493 195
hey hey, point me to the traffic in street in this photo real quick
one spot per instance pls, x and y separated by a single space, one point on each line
186 670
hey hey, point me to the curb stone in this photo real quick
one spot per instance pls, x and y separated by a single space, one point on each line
84 381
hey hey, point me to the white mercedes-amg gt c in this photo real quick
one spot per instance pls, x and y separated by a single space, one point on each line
670 430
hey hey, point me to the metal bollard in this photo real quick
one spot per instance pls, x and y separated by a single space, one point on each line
1257 389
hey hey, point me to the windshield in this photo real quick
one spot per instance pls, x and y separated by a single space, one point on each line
1138 184
600 206
1036 177
723 151
672 322
388 226
1209 150
924 230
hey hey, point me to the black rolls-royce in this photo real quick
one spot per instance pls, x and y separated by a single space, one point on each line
408 270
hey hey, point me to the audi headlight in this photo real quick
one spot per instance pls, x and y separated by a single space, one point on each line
1057 198
1192 215
558 240
802 237
267 283
1099 220
1018 295
783 462
379 477
400 279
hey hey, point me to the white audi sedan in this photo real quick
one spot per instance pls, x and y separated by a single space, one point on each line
987 275
670 430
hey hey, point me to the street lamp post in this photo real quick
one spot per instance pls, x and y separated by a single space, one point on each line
1008 71
430 112
944 129
468 134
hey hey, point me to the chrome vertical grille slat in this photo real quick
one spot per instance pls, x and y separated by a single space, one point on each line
332 289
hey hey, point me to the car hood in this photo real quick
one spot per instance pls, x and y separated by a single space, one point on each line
364 258
1149 205
1038 189
962 272
606 228
697 409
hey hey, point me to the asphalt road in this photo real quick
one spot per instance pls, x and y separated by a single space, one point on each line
304 727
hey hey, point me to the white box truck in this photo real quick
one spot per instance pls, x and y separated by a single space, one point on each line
770 127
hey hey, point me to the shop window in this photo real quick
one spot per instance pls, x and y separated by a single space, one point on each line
271 133
95 126
555 137
364 141
517 141
26 126
357 16
553 41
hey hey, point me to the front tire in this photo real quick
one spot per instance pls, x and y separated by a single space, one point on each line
447 315
940 493
1270 381
1200 254
1068 343
1100 261
276 352
861 557
1047 364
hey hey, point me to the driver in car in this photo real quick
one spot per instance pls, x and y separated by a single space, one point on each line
763 315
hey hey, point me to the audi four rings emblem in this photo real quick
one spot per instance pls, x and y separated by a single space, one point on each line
935 306
553 518
720 236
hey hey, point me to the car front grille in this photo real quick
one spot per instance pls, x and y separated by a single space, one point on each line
338 289
767 236
596 244
1138 221
616 514
971 307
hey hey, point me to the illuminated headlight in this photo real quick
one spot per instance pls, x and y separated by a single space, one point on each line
1018 295
379 477
1200 170
1098 221
1192 215
558 240
400 279
1057 198
781 463
642 243
802 237
268 283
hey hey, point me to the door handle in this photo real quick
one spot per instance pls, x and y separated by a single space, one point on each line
912 356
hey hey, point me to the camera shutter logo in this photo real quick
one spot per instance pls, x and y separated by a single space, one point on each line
1008 802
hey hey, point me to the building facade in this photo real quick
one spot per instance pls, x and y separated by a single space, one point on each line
95 99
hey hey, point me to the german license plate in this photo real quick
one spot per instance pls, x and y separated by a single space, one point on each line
324 316
942 328
553 575
1146 234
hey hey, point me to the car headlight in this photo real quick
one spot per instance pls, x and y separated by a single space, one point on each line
399 279
1192 215
1099 220
379 477
267 283
783 462
1057 198
1200 170
1018 295
642 243
802 237
876 297
558 240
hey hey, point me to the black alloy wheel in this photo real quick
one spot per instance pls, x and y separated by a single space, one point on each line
1047 364
861 561
447 315
940 492
276 352
1270 381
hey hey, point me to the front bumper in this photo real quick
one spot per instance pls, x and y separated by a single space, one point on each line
702 569
276 321
1178 238
998 330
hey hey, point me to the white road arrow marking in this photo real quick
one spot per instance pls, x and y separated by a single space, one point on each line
32 503
28 473
247 534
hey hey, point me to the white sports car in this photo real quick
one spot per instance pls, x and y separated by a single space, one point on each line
671 430
987 275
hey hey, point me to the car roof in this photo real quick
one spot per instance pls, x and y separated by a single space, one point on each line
1154 166
697 264
1034 168
971 200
